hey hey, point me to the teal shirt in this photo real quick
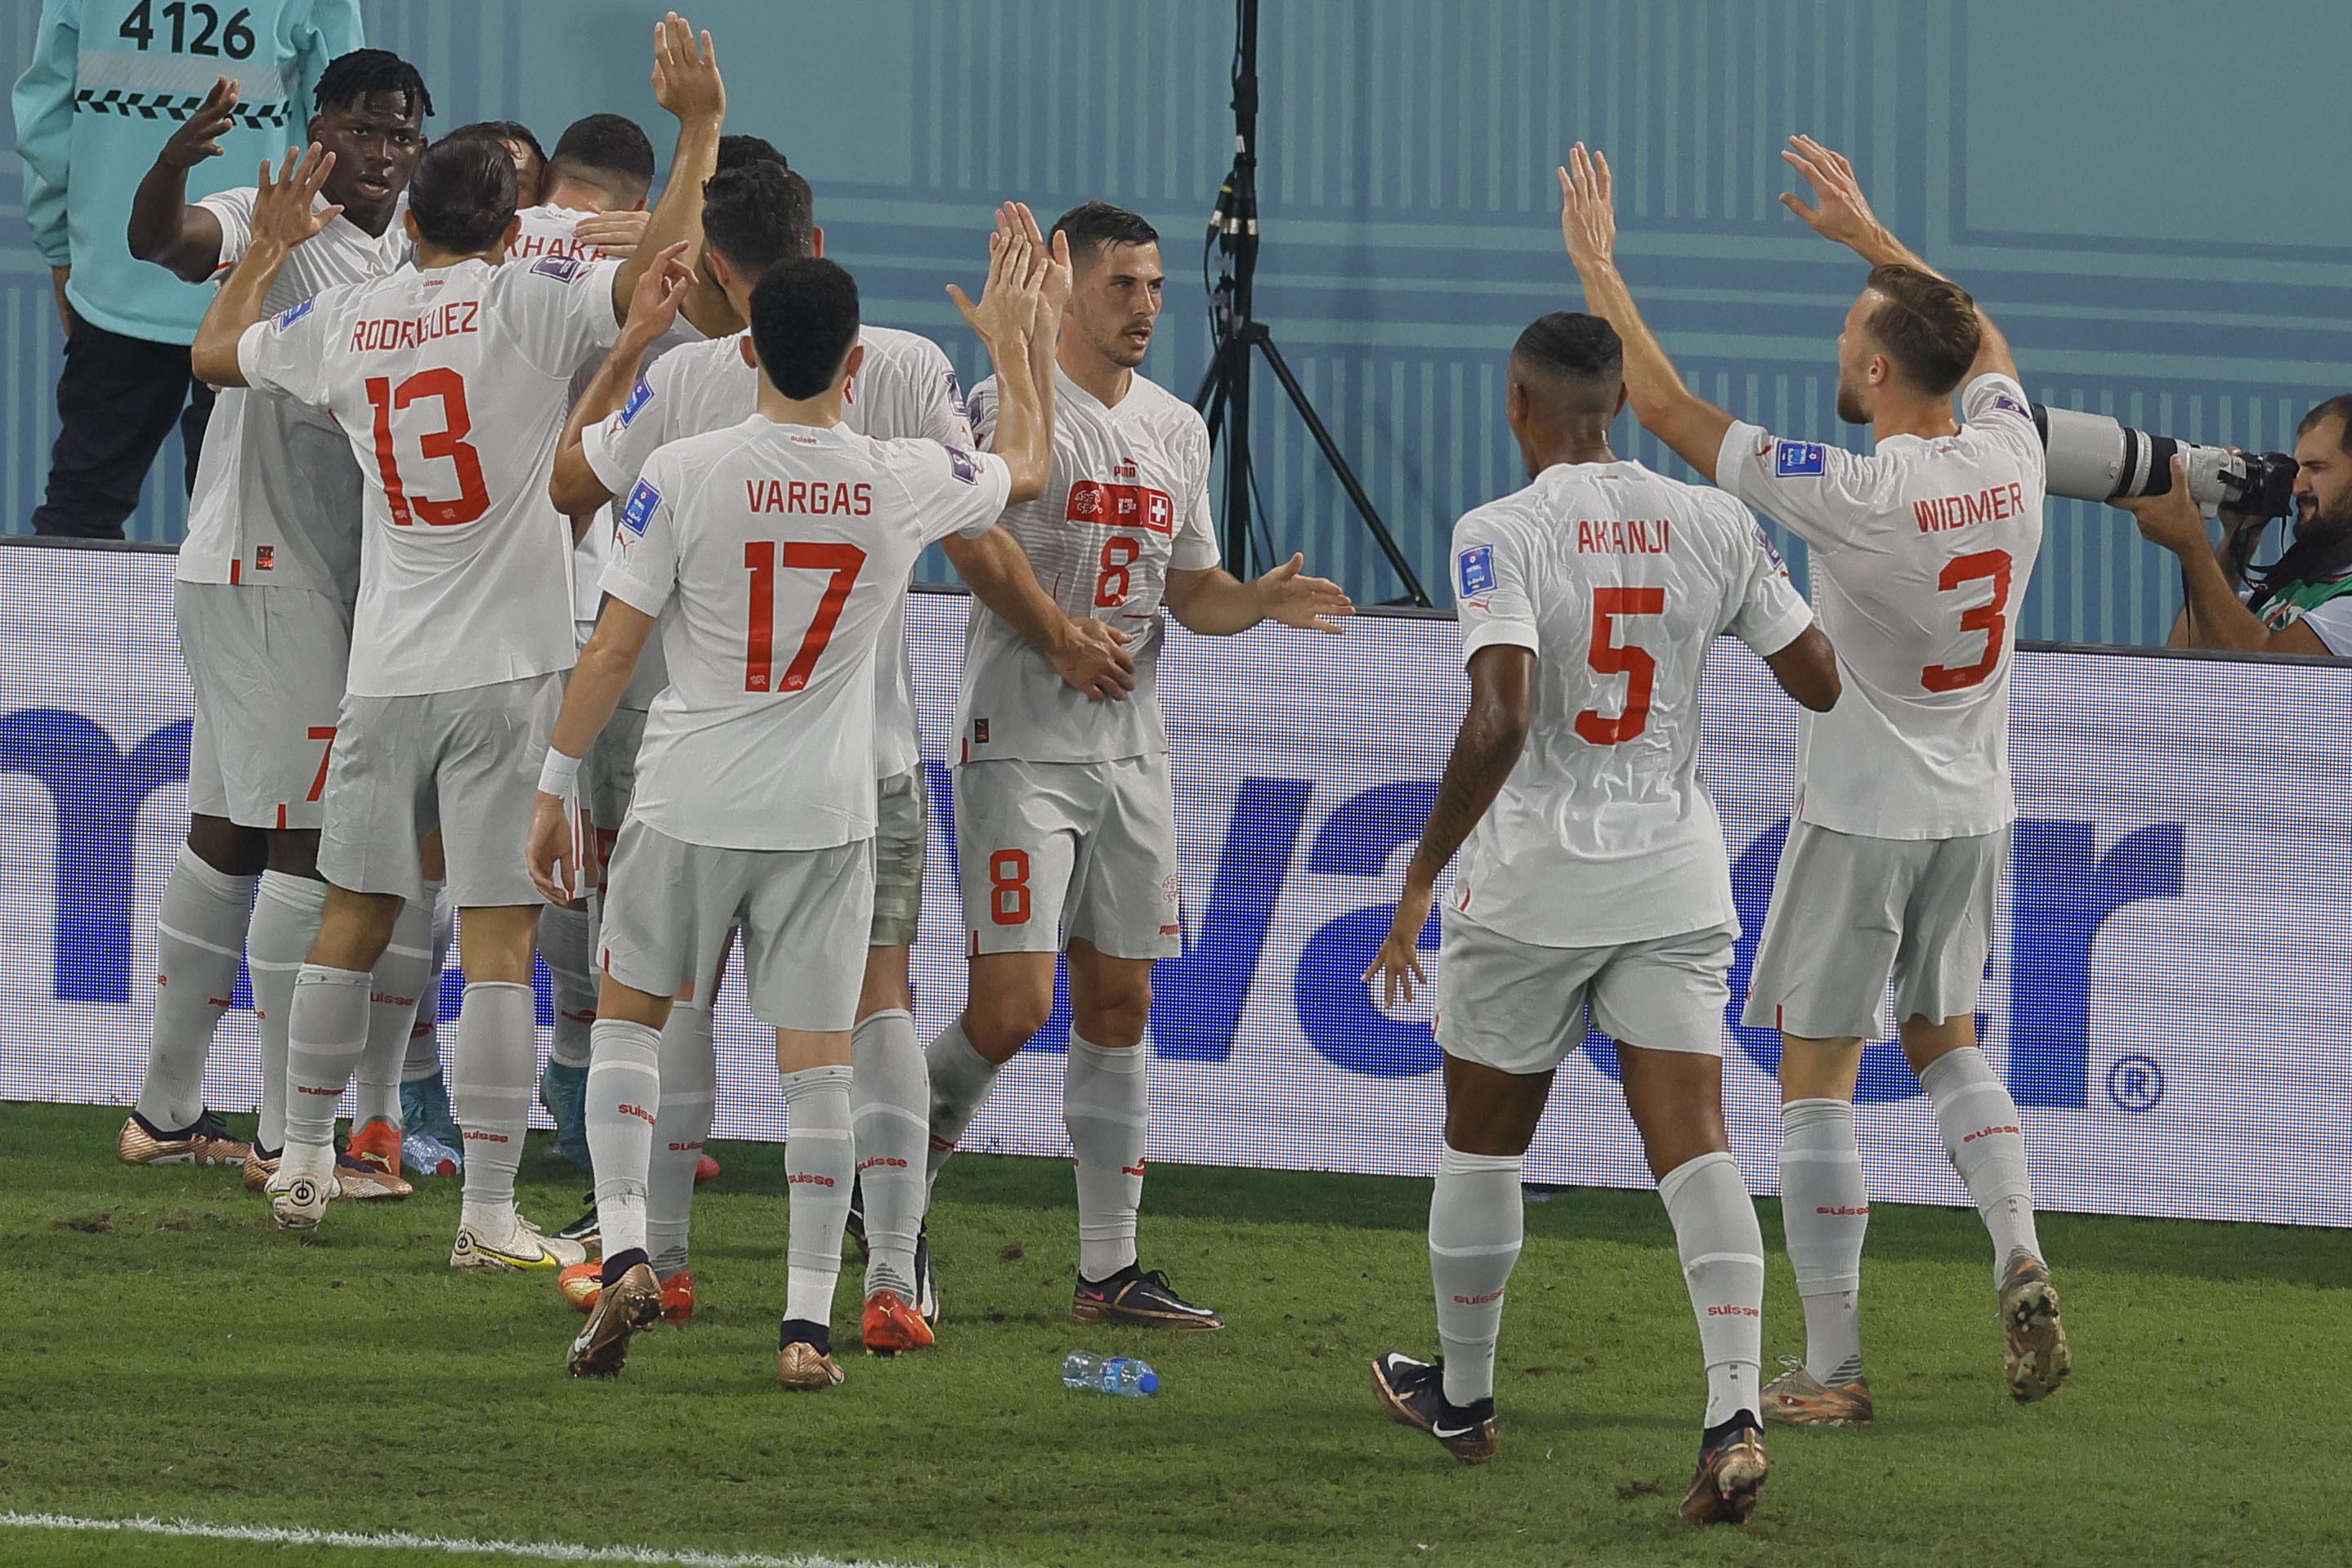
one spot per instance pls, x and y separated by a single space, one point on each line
108 81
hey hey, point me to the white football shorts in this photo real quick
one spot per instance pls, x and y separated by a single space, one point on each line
901 811
268 667
1052 852
1519 1008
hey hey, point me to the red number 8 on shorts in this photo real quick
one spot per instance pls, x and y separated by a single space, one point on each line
1008 887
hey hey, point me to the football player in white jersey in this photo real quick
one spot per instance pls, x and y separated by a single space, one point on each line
1592 872
773 554
266 580
755 217
1920 554
450 380
1066 828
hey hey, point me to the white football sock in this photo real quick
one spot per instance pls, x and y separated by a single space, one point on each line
1825 1212
1106 1109
199 936
1476 1221
326 1035
819 1157
287 911
498 1061
1979 1120
889 1106
425 1035
567 940
391 1014
624 1088
689 1090
1722 1249
960 1081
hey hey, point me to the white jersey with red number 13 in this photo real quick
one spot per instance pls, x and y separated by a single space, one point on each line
1127 502
1619 579
776 558
1920 557
451 385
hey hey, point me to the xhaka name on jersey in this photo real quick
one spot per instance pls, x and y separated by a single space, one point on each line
528 245
1624 536
1945 512
385 333
816 497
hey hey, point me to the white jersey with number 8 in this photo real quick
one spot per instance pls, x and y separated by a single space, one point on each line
451 386
776 557
1617 580
1920 557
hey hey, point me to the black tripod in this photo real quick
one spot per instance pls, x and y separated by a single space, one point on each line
1223 399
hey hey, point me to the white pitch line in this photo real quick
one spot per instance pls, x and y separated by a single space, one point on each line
383 1540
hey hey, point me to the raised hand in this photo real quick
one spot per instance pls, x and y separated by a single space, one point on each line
1007 310
1311 603
198 137
1840 211
1588 211
1061 279
285 209
615 235
685 72
2171 520
653 304
1398 963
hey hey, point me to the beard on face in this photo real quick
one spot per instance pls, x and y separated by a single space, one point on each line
1120 350
1849 406
2325 524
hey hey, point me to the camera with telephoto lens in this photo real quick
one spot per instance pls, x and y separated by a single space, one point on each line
2093 459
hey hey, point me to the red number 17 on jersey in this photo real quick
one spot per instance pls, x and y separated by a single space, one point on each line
760 559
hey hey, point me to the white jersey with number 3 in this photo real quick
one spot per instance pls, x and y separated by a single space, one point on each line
776 558
1920 556
1618 579
450 385
1128 504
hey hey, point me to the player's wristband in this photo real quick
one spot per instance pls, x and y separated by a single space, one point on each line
560 775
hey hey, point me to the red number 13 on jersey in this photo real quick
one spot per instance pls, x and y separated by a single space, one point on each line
759 559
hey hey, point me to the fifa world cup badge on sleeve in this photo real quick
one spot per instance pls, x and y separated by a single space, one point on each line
964 467
639 395
293 313
562 268
639 509
1799 459
1478 568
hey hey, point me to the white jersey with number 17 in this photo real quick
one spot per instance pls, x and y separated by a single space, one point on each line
1920 557
776 558
450 385
1617 580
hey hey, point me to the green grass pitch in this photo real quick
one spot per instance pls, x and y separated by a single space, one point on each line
167 1354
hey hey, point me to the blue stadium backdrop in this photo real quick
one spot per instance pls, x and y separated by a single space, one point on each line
2157 251
2166 997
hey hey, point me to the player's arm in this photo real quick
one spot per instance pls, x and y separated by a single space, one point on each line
1090 655
1667 409
164 227
590 695
1023 433
2215 617
1807 670
1840 212
283 217
686 83
576 488
1213 602
1492 734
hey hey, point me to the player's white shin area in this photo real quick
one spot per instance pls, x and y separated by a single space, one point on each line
1106 1109
402 1541
400 979
1978 1117
199 936
567 940
423 1059
1477 1222
818 1163
960 1081
689 1090
287 914
496 1061
327 1032
1722 1249
889 1104
623 1087
1825 1212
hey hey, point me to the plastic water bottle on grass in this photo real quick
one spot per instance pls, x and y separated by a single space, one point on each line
1121 1374
426 1156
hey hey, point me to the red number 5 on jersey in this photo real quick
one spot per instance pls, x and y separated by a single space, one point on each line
844 561
1610 657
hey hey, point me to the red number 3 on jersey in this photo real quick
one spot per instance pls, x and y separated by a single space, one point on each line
1990 618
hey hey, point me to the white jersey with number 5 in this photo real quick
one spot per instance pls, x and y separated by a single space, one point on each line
451 386
1920 556
776 557
1618 579
1127 502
